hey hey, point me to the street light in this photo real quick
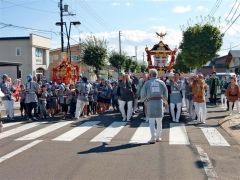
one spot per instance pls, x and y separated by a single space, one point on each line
68 32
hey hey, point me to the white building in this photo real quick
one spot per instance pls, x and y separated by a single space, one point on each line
31 51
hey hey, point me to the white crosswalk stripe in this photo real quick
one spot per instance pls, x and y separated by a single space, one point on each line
142 134
225 107
77 131
107 134
17 151
178 134
214 137
44 131
19 129
11 124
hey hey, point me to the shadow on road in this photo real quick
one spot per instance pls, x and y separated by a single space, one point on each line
235 127
200 164
217 117
104 148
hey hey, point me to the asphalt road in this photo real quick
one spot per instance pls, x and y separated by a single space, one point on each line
105 151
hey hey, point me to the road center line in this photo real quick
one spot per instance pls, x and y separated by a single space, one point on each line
207 164
17 151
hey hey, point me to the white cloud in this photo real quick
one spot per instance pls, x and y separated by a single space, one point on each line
119 4
201 8
140 38
116 4
128 4
182 9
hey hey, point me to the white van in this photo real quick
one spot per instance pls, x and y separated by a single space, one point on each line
226 74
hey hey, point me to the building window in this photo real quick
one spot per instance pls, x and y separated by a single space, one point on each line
39 56
75 58
39 73
18 51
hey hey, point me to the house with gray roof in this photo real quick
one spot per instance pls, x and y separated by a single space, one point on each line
233 61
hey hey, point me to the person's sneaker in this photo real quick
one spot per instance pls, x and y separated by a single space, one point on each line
158 139
124 119
151 141
34 119
196 122
129 119
84 116
76 118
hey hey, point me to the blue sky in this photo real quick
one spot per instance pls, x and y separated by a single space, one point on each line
137 19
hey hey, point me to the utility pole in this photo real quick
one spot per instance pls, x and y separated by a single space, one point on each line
120 48
61 20
143 58
136 48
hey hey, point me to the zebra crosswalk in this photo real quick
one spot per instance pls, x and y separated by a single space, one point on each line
177 133
34 132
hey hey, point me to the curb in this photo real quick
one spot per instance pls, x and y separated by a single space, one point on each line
226 124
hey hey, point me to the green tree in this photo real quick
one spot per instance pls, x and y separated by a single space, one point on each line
128 64
180 65
134 66
95 53
117 60
138 69
200 44
143 68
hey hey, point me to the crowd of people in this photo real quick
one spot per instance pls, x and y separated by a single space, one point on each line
156 95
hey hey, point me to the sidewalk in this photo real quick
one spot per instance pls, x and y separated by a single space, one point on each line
16 109
231 124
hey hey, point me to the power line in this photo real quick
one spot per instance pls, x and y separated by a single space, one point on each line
214 9
22 3
85 23
26 28
233 14
230 47
95 15
231 9
231 24
30 8
34 29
